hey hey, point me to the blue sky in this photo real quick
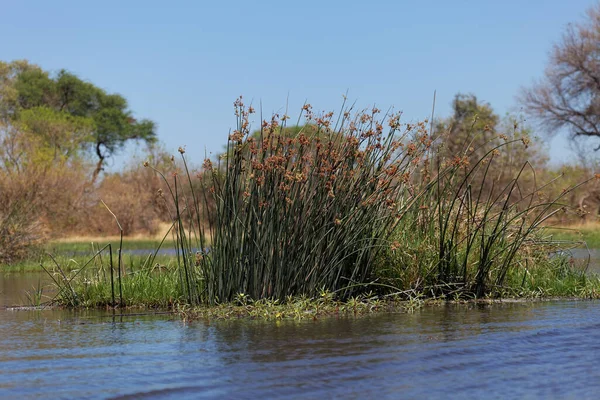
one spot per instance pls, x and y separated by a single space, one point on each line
183 63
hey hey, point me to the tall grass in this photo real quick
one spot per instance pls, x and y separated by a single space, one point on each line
305 210
344 205
472 232
97 281
297 214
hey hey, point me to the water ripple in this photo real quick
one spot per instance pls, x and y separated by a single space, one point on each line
541 350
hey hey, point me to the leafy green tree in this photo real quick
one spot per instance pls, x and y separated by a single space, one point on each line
59 135
66 113
471 128
474 133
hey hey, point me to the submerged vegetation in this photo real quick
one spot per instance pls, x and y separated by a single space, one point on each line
358 208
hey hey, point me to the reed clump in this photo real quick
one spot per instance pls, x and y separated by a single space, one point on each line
296 214
348 204
354 202
476 232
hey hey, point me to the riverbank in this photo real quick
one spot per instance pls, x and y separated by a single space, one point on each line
586 235
74 253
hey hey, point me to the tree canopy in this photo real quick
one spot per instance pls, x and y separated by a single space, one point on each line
66 113
568 96
471 125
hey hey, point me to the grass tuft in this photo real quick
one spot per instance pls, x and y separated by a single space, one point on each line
341 207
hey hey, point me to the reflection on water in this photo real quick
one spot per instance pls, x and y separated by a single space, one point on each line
536 350
14 287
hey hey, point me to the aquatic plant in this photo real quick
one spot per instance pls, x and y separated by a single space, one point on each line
295 214
469 232
343 204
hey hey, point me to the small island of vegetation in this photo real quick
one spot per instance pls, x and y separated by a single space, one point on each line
348 211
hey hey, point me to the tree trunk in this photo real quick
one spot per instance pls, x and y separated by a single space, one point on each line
98 165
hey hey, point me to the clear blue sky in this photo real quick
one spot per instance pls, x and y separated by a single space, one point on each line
183 63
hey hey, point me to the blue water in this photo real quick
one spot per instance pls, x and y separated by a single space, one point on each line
510 351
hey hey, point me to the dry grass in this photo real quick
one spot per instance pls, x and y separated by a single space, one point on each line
161 230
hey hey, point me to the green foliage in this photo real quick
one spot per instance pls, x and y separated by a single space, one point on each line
470 129
357 207
67 113
308 129
111 276
295 215
142 287
466 240
57 135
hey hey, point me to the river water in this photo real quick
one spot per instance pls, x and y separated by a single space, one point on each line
515 350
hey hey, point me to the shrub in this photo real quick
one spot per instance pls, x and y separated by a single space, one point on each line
20 230
298 214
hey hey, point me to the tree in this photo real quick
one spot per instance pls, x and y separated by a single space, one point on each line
568 96
66 113
470 128
475 135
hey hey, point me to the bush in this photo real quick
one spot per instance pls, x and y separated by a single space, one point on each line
342 207
20 230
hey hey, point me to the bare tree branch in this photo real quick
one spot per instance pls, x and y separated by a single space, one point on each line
568 96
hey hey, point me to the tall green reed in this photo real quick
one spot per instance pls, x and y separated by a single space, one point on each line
340 205
472 229
296 214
